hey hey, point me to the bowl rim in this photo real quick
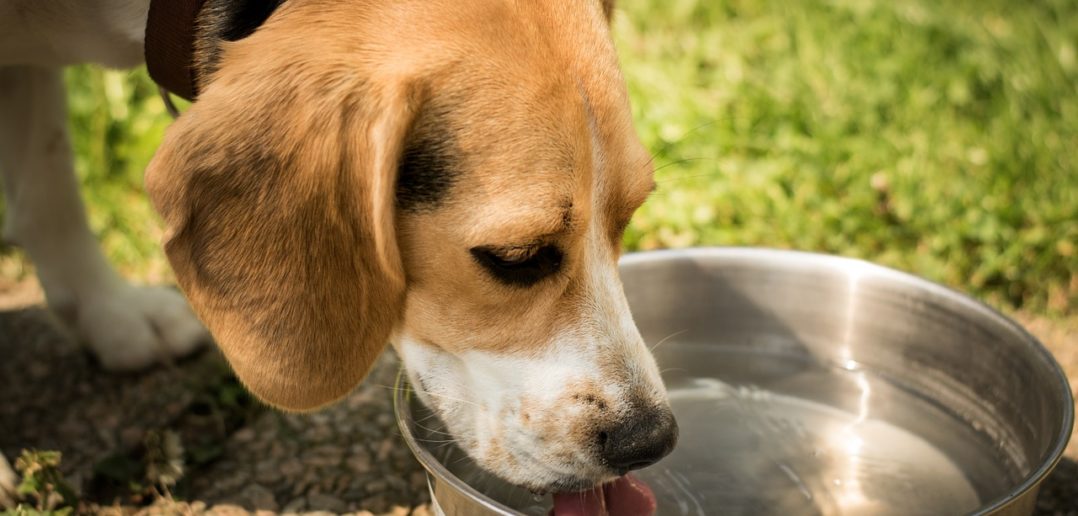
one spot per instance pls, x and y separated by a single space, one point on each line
1032 480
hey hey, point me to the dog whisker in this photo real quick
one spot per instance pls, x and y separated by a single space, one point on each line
682 137
434 417
451 398
436 441
433 431
428 417
437 395
667 338
670 180
678 162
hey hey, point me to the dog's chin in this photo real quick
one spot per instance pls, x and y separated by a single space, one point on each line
529 471
548 482
572 484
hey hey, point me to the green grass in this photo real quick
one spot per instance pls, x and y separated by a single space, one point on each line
936 136
118 121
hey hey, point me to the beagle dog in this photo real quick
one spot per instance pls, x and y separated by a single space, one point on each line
450 177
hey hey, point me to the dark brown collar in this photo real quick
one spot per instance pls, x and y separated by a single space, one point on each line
170 45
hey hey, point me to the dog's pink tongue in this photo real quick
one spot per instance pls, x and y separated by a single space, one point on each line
626 496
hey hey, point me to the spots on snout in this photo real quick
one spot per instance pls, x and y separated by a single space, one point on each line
571 421
590 399
495 451
528 413
596 413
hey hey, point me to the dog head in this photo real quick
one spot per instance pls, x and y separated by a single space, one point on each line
453 178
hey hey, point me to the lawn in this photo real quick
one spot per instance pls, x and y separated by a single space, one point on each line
935 136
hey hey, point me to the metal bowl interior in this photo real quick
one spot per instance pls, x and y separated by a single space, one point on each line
810 384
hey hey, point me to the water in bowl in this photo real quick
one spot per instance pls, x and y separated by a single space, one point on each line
786 435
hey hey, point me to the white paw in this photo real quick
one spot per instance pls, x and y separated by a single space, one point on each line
132 328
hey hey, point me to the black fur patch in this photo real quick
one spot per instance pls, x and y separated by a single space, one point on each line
244 16
226 20
428 166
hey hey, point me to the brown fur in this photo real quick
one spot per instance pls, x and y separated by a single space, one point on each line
277 186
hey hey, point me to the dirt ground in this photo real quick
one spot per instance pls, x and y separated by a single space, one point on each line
240 456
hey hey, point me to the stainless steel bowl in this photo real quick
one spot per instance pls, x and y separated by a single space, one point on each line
810 384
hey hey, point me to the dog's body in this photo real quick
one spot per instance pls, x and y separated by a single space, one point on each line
451 177
125 326
57 33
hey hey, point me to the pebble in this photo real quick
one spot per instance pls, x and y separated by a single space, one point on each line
244 435
291 468
326 502
295 506
227 510
359 463
318 434
233 482
398 510
396 483
131 436
422 510
418 478
376 486
385 420
268 471
384 449
258 497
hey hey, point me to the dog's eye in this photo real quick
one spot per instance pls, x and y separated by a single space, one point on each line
519 267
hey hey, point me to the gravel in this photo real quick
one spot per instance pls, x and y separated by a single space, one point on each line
348 458
344 459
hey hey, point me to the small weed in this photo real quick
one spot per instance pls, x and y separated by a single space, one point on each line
164 459
23 510
43 487
141 475
196 438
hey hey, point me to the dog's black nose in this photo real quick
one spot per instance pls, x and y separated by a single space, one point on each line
640 441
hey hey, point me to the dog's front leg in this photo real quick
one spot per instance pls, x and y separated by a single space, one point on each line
8 479
127 327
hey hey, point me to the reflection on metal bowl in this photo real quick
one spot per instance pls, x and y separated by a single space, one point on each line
810 384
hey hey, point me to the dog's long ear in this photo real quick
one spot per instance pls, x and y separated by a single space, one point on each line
277 191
